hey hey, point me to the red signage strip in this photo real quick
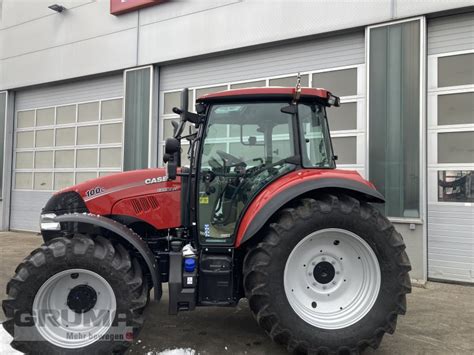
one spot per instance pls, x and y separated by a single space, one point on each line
119 7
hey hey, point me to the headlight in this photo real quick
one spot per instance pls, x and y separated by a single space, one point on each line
47 222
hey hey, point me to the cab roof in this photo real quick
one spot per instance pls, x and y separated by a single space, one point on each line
266 93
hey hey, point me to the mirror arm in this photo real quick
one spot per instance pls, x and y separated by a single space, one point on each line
188 116
193 117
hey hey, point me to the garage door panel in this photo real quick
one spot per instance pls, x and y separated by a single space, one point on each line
450 258
466 252
446 234
466 214
454 221
446 244
325 53
26 209
454 267
65 122
452 274
452 228
450 126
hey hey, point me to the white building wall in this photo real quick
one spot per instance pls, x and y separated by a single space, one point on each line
38 45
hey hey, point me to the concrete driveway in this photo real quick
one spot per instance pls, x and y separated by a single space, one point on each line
440 320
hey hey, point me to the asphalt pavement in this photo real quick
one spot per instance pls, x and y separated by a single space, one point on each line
440 320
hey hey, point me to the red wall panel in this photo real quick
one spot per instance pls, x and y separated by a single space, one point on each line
119 7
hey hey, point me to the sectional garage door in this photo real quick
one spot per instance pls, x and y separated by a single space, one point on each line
64 134
451 148
336 63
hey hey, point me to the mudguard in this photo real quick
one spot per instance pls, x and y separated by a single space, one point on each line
124 233
295 184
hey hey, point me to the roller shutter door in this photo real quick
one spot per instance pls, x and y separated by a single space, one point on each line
335 62
451 148
64 134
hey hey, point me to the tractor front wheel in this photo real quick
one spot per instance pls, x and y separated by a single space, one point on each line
79 295
330 275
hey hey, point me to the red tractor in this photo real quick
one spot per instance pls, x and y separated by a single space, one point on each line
261 212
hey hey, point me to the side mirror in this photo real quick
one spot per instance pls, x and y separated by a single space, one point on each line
172 157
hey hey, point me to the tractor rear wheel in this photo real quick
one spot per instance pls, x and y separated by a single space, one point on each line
330 276
80 295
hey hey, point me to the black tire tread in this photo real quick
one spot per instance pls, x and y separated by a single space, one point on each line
104 252
259 256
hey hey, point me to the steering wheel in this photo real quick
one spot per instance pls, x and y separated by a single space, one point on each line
229 159
269 167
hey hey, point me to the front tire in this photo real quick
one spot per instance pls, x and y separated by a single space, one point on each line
79 295
329 276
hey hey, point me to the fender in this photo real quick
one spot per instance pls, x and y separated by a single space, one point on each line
295 184
124 233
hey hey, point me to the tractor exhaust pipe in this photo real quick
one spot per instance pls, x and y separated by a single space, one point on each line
184 99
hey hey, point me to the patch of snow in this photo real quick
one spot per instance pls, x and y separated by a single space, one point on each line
5 339
187 351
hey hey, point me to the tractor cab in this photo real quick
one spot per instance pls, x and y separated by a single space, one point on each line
246 139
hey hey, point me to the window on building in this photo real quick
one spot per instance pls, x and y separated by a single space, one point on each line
339 82
138 91
346 149
394 116
456 108
249 84
343 118
456 186
456 147
451 127
205 91
60 146
3 119
289 81
451 133
171 99
456 70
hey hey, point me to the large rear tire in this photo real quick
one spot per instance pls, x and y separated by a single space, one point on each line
79 295
329 276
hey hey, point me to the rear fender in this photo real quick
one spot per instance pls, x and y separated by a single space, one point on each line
124 233
293 185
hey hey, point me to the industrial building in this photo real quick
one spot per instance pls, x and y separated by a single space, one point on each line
87 89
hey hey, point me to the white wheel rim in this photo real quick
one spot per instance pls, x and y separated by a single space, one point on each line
351 292
59 324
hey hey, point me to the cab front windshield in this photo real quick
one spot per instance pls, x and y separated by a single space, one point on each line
246 146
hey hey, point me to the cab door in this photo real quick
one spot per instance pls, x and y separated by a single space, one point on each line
243 149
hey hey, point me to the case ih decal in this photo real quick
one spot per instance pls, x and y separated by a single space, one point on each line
156 180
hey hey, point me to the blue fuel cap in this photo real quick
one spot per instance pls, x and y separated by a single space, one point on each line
189 265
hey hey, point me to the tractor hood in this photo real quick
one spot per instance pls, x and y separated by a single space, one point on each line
139 194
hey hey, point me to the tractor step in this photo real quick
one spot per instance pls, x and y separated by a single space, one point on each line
216 286
180 298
